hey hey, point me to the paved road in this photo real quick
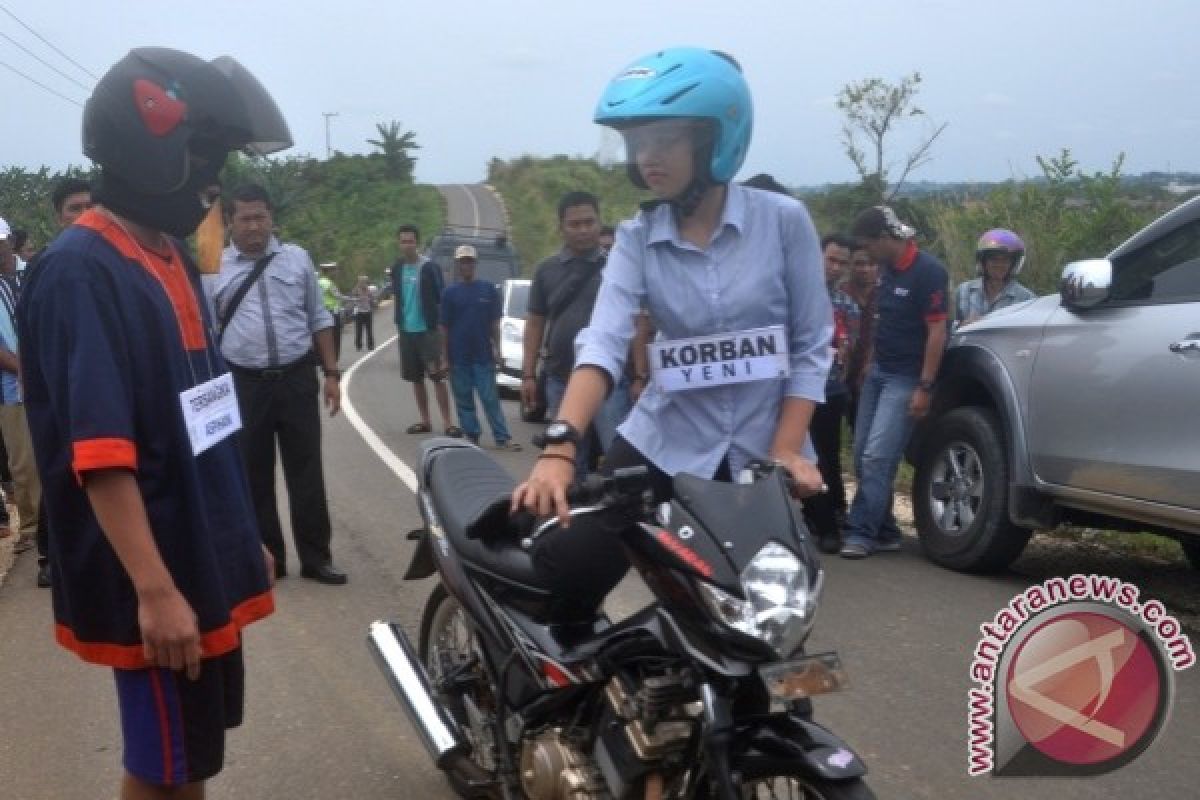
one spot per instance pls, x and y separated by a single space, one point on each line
322 724
473 206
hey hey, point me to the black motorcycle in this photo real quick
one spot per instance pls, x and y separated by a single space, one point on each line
704 693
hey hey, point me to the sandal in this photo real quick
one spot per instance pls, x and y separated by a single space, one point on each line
508 446
418 427
455 432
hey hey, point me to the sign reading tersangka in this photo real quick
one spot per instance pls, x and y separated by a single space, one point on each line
722 358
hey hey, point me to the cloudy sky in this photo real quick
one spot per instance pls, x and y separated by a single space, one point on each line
479 79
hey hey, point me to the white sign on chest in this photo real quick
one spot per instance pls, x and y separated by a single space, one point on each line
210 411
720 359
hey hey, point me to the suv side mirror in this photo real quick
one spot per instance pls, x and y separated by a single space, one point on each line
1085 284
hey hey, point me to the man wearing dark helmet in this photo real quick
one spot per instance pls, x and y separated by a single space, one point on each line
156 560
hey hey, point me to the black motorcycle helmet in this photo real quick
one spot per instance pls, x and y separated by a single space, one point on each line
161 123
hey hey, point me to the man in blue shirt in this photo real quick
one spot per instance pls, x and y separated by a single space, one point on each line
470 320
909 338
417 286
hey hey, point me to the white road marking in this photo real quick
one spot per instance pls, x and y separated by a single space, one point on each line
474 206
393 462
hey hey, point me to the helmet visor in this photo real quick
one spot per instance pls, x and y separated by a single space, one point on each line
661 135
266 131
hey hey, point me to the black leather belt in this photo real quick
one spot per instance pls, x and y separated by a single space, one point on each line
273 373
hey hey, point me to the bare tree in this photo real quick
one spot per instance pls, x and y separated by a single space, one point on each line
873 109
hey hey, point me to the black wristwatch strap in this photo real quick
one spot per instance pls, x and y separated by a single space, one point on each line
572 435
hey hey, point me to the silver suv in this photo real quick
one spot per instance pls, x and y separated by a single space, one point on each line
1082 407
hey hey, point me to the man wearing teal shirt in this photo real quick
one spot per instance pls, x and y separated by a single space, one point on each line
417 286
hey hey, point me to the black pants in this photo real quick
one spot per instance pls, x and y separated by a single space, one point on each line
338 325
364 321
582 564
286 408
823 510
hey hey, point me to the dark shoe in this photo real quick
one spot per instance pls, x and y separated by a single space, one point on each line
43 576
829 543
889 545
324 573
455 432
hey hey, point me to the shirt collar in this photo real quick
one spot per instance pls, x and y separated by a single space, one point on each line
273 246
906 259
663 227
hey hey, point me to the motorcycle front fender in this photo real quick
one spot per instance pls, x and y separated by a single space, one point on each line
790 744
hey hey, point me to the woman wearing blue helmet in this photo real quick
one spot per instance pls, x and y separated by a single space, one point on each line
731 277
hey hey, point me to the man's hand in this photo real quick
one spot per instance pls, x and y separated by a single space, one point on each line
332 392
170 635
918 405
529 393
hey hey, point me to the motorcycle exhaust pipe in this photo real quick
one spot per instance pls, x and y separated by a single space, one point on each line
395 657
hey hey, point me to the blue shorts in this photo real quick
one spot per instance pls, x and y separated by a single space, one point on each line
174 728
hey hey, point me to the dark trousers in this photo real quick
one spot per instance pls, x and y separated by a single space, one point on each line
822 510
581 565
338 325
364 321
286 408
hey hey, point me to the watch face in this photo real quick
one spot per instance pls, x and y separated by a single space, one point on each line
557 430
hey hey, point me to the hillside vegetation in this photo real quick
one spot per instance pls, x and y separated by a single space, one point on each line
1064 215
343 209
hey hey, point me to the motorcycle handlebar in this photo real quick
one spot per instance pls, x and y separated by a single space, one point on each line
597 493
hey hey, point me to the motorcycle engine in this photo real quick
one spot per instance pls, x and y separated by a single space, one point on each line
552 768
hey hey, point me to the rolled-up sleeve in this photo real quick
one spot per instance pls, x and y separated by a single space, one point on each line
605 341
810 312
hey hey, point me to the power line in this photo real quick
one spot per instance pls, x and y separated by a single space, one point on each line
39 83
44 62
85 70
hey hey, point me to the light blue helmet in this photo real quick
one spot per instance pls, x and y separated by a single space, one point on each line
689 83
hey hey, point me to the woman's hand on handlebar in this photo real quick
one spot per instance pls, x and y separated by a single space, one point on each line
806 478
544 492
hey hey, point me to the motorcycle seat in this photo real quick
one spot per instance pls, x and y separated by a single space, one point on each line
465 484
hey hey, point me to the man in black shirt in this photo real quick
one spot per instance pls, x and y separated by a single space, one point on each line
560 305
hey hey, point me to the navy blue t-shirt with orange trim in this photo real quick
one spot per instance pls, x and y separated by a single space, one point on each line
111 333
912 292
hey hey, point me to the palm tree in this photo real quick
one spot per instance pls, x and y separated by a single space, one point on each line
395 145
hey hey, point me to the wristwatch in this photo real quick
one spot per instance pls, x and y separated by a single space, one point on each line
336 374
925 386
562 432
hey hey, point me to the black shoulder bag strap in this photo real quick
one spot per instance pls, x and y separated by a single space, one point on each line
223 319
571 289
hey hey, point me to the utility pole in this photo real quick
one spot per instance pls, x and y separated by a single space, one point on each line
328 147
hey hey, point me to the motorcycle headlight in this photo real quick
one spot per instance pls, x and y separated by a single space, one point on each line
781 599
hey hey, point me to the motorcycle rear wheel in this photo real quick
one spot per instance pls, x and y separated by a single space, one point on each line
793 787
447 644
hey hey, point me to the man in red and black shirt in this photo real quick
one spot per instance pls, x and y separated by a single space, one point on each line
156 559
909 337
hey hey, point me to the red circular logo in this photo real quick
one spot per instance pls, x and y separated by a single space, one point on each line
1085 688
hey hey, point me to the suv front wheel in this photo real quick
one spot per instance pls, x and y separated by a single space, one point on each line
960 494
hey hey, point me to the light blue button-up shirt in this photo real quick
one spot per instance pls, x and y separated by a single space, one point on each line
275 322
762 267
